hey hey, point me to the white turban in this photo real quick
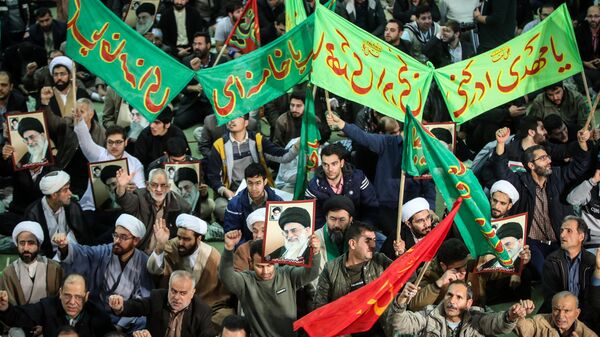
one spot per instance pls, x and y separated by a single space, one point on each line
132 224
260 214
414 206
28 226
61 61
506 188
192 223
54 181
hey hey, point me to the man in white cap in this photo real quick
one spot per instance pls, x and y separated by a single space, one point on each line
242 260
417 218
188 252
56 213
62 103
116 268
503 195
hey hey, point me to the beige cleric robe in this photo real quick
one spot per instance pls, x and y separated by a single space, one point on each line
205 273
10 282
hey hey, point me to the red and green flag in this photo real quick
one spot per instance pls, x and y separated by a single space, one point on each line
135 68
359 310
308 156
245 34
454 181
239 86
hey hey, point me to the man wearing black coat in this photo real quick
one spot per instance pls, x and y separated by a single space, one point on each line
70 308
173 308
193 22
47 32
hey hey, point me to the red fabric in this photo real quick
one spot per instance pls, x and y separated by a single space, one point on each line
360 309
245 34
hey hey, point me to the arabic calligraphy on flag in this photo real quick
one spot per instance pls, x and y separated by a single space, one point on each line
136 69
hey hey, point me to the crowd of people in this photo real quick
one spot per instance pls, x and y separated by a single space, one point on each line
141 263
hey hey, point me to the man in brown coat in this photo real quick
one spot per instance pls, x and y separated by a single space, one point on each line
188 252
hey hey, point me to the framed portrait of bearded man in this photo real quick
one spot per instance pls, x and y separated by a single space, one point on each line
29 138
103 179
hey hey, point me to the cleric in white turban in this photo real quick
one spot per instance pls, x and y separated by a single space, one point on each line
54 182
132 224
61 61
192 223
260 214
413 207
31 227
507 188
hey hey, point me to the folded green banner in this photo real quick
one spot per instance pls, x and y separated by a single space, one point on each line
308 156
295 13
454 180
544 55
141 73
360 67
244 84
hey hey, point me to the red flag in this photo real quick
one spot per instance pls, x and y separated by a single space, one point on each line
245 34
360 309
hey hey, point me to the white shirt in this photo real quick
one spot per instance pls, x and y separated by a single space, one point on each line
95 153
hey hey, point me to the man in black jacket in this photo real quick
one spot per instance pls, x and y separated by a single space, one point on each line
573 269
540 190
47 32
10 100
180 14
70 308
165 307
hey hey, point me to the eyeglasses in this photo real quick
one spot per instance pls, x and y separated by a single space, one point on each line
422 220
69 297
543 158
155 186
115 142
121 237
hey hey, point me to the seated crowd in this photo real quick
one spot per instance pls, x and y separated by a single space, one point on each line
144 262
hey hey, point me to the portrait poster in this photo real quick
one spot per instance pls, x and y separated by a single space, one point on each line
141 14
289 225
511 231
445 132
103 179
28 135
181 174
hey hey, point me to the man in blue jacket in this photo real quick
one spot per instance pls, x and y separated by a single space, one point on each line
248 200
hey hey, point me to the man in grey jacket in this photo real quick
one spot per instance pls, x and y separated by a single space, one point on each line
454 316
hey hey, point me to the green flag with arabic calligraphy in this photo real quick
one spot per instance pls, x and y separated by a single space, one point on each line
247 83
294 13
308 156
136 69
413 158
544 55
454 180
358 66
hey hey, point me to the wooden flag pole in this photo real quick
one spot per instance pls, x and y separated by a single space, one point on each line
587 95
74 88
592 113
220 54
420 277
400 203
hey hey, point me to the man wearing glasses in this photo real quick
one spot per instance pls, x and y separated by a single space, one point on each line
418 221
153 203
540 187
116 268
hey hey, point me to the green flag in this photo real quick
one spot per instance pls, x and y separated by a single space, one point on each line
544 55
330 4
294 13
413 158
308 156
454 180
246 83
136 69
358 66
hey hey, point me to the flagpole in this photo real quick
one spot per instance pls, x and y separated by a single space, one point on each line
587 95
400 203
592 113
420 277
220 54
74 85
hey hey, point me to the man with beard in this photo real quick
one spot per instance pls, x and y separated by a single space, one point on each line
542 184
176 152
267 291
392 33
296 225
511 236
587 34
176 311
454 316
419 33
503 195
448 47
359 266
417 220
10 101
188 252
150 204
116 268
339 211
558 99
194 105
34 136
144 17
289 124
47 32
234 9
196 194
242 260
179 22
56 213
61 103
108 176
